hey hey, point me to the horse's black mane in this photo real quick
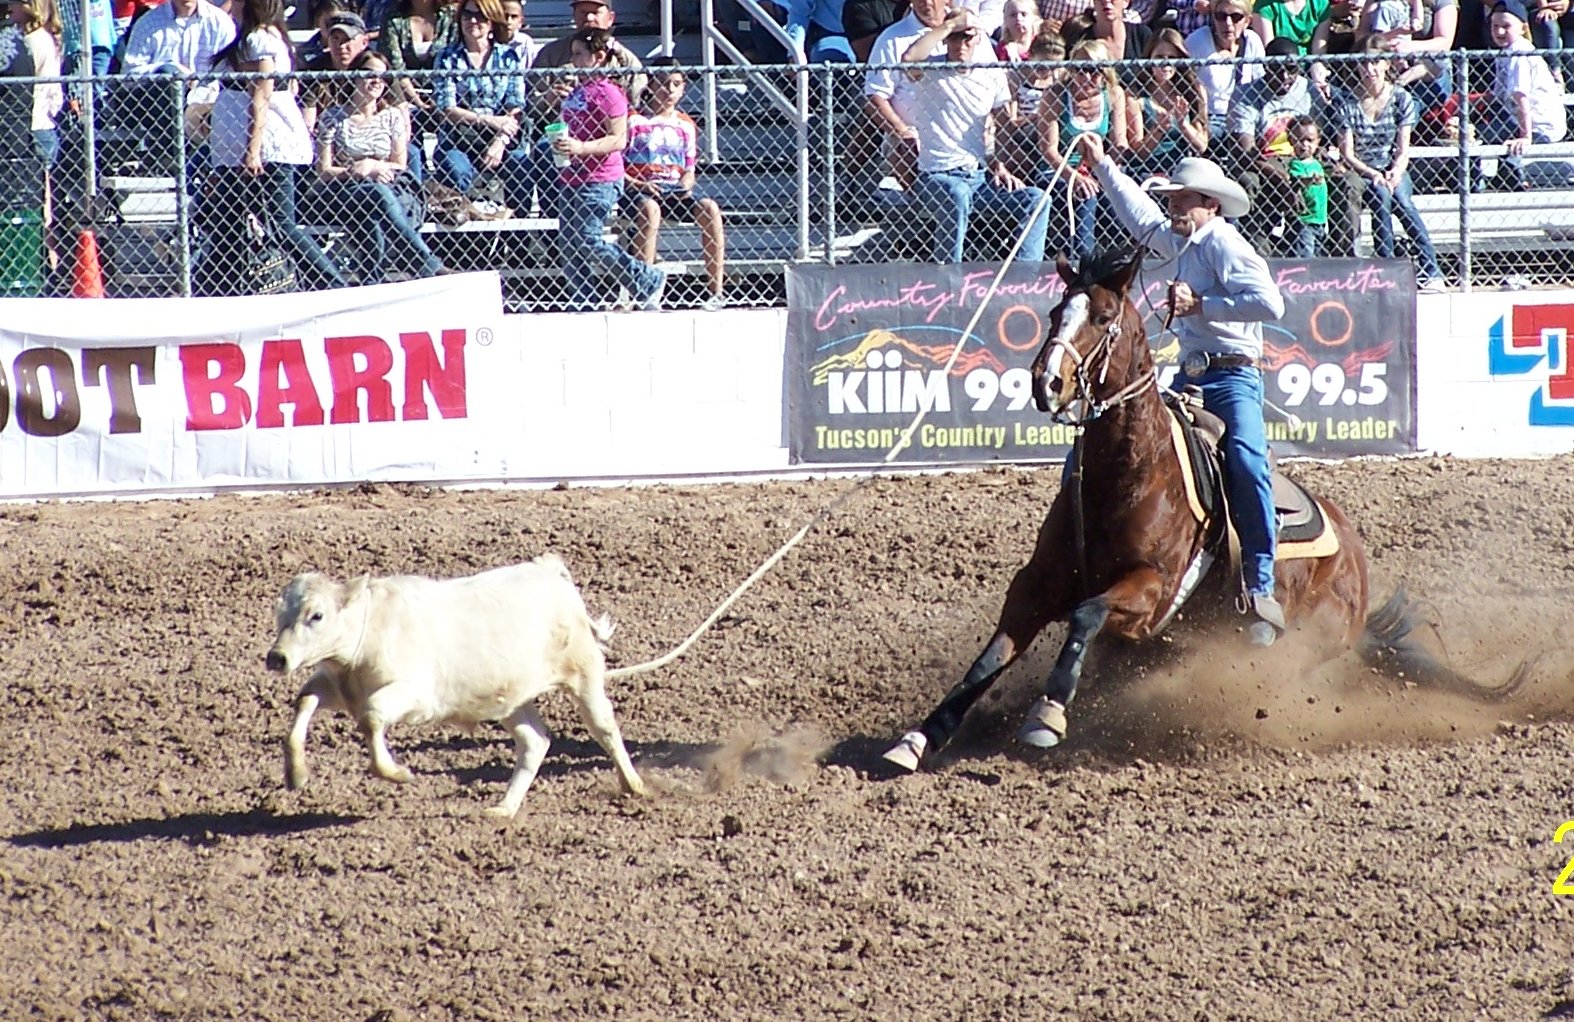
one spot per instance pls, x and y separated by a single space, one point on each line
1104 264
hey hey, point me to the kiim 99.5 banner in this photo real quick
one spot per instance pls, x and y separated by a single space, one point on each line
867 348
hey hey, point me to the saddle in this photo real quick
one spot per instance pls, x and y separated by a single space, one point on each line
1304 530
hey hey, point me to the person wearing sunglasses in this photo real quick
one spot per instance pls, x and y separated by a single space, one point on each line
1226 39
480 108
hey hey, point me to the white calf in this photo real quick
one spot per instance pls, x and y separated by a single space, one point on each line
410 650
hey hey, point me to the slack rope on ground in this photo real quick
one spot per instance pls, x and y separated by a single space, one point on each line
901 444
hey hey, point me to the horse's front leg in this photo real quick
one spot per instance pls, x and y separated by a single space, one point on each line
1124 608
1039 593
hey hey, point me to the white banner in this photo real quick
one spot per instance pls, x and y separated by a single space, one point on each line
145 395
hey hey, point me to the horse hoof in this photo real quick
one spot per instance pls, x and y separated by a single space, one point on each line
908 752
1261 634
1045 726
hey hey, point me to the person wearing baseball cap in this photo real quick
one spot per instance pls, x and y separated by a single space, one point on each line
1525 90
1221 295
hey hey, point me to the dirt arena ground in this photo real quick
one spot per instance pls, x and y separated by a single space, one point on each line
1225 837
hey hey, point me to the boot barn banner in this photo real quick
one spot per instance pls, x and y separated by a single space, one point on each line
867 347
142 395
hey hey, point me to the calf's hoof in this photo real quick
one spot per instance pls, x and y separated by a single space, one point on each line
501 812
909 752
294 779
398 774
1045 726
635 786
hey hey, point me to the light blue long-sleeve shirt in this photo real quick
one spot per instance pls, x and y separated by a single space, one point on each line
825 13
1220 266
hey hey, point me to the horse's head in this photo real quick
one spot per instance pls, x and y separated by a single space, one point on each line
1089 360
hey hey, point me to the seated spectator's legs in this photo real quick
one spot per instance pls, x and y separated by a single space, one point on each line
453 167
540 176
1380 201
714 243
376 217
647 224
519 181
415 161
831 49
1272 198
582 217
1344 215
1017 206
948 196
1404 204
1557 34
276 197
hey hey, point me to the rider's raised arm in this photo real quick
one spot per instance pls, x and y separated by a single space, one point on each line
1136 209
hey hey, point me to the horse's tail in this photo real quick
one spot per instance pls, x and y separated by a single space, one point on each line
1388 643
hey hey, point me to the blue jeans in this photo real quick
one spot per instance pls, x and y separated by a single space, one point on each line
952 196
46 142
271 196
1384 204
1310 240
453 166
380 228
582 219
1235 394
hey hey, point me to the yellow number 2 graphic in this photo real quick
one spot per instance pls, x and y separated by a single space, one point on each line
1562 885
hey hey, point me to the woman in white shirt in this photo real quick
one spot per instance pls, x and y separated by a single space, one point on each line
362 154
259 140
39 21
1226 37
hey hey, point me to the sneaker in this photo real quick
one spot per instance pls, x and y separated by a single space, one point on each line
1429 285
713 303
625 301
652 301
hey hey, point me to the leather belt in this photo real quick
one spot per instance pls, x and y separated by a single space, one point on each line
1198 363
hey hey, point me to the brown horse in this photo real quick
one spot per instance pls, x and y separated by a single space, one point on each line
1124 544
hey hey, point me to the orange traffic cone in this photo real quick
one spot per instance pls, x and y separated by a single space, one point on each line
87 277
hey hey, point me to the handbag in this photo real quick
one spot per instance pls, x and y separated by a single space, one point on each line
269 269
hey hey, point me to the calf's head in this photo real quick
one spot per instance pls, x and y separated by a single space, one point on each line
312 623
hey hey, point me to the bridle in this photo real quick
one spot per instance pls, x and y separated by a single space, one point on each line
1095 362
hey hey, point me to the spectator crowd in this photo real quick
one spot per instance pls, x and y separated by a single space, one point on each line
1313 140
269 155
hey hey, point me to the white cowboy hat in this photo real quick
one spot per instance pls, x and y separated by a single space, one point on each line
1195 174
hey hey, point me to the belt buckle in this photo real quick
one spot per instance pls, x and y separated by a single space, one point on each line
1195 363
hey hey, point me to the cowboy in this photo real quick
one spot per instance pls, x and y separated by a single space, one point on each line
1221 295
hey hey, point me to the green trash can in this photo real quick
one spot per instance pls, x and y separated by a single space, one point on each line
21 254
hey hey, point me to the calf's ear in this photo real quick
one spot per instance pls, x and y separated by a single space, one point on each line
354 589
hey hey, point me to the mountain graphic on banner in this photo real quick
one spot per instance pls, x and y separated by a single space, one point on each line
914 356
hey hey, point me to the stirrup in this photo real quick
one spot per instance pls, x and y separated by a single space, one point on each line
1045 726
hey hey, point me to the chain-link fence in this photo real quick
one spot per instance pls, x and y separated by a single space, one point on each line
795 164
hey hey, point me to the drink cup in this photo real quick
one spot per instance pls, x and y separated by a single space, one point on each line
555 131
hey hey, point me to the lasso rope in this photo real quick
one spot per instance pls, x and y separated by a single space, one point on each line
901 444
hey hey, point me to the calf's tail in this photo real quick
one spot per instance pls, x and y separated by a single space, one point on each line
602 628
1390 645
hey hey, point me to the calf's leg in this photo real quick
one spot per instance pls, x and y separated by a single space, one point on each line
596 711
321 691
383 764
531 740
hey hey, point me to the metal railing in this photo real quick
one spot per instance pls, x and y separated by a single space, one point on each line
797 168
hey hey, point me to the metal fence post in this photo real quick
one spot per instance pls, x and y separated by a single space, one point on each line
1466 267
182 186
828 137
